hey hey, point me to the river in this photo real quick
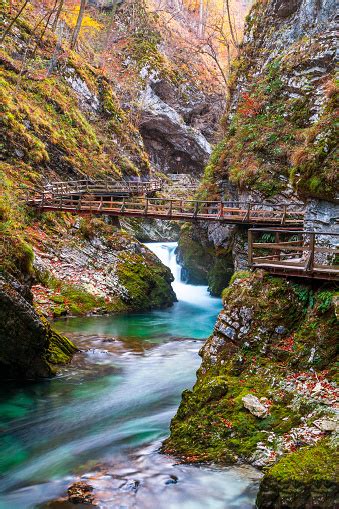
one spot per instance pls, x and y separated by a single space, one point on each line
102 419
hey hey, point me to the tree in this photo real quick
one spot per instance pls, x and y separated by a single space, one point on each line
57 15
76 31
8 29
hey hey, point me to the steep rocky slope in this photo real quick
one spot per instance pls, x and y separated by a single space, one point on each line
279 137
68 116
265 392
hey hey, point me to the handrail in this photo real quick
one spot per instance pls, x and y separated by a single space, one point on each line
170 208
314 257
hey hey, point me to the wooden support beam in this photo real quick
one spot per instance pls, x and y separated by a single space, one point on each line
250 248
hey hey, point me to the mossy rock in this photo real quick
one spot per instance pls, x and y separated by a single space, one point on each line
262 336
147 281
30 348
306 478
204 264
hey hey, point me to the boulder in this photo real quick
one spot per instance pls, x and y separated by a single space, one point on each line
253 404
30 349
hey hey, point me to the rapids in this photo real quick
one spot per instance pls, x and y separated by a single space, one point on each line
104 416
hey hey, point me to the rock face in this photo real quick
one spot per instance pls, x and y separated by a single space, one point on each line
94 267
265 392
203 263
30 349
279 143
167 128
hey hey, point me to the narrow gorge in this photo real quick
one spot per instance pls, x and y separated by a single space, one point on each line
168 254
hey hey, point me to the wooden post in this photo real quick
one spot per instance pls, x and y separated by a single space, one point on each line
248 212
250 248
170 208
221 209
196 206
283 219
277 241
123 205
146 207
310 261
100 204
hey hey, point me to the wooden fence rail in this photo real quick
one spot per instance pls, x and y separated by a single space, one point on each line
98 187
302 253
232 212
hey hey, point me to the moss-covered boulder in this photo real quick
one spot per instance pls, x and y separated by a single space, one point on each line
29 347
302 479
146 280
274 345
202 262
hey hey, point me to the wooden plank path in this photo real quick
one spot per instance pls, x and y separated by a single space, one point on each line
305 254
285 250
171 209
103 187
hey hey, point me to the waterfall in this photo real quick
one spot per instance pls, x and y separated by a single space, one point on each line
196 295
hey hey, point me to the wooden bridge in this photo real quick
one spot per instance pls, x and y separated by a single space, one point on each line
102 187
286 250
231 212
295 253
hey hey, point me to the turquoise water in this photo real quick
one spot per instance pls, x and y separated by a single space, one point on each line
104 417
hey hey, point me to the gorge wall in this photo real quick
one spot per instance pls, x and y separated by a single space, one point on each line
279 140
121 105
265 392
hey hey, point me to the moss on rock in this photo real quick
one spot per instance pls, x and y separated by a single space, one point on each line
203 263
306 478
262 346
148 285
30 348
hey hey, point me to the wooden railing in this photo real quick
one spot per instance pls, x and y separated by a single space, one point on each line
293 252
232 212
99 187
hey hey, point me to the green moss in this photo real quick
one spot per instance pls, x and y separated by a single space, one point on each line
60 350
147 284
307 465
203 263
270 136
284 326
304 478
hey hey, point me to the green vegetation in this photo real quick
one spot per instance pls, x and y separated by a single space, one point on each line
271 139
283 335
203 263
147 285
306 477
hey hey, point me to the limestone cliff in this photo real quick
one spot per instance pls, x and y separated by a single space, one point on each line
265 392
279 140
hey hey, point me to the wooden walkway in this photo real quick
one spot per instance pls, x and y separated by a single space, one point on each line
102 187
296 253
169 209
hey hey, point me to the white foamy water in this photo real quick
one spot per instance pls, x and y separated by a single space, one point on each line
196 295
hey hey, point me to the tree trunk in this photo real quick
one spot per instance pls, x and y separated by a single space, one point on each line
57 15
8 29
201 18
232 31
77 27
